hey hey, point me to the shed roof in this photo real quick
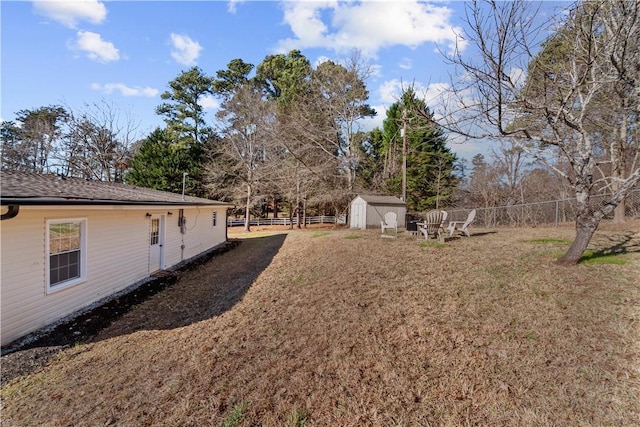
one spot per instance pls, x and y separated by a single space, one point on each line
382 200
29 188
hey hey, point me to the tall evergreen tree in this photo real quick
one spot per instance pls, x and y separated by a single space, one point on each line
160 162
430 168
182 110
184 116
371 167
228 81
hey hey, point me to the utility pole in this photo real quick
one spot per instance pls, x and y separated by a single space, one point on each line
404 155
184 181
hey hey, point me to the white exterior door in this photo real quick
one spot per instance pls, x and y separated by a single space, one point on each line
358 216
156 243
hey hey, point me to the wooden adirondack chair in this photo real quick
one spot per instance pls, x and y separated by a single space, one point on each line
463 226
390 222
433 225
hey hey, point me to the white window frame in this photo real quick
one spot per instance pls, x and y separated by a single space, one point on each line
82 259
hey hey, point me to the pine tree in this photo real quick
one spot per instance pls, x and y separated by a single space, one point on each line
160 163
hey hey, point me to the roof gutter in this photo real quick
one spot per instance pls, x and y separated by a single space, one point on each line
12 212
47 201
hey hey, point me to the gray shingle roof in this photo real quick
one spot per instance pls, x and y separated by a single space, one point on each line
27 188
382 200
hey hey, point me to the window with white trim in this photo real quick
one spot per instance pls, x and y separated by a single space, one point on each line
66 253
155 231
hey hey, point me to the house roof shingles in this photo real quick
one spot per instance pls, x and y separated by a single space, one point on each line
382 200
28 188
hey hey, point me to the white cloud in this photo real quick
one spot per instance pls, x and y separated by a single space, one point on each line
185 50
518 76
406 64
367 26
69 13
208 102
370 123
232 5
432 94
375 70
321 60
390 91
109 88
96 48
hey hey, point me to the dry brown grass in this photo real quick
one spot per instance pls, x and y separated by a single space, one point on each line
344 328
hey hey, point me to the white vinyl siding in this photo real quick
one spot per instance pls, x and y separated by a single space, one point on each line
199 235
117 250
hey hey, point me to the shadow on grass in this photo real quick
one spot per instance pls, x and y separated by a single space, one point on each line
609 248
618 243
204 291
237 263
590 257
458 236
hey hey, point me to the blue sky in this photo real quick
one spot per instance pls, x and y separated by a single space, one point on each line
125 52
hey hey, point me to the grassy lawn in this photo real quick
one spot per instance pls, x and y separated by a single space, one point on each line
345 328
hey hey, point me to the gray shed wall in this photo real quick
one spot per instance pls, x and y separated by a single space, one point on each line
365 215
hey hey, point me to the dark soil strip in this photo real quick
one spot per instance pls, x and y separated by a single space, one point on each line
20 359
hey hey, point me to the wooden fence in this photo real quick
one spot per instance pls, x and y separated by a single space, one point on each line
323 219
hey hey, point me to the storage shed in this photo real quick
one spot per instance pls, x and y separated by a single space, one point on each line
367 211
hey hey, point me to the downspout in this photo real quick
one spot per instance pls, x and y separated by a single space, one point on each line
12 212
226 225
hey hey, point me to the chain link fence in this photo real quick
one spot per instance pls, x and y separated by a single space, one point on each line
540 213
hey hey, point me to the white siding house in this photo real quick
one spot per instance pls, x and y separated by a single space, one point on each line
68 243
367 211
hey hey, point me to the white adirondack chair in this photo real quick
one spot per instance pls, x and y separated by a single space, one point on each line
433 225
463 226
390 222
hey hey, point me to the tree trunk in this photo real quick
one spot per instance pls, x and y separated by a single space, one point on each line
298 203
275 206
290 215
585 227
304 212
247 213
619 163
619 213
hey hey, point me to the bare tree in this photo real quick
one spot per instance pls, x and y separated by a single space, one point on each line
31 144
548 101
238 160
301 171
621 22
330 114
99 141
511 160
484 183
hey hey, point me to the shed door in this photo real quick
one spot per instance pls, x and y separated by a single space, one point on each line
358 216
156 243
